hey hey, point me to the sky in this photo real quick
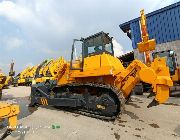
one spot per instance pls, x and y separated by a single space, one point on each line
34 30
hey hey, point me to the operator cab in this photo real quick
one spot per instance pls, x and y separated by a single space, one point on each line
170 59
93 45
98 44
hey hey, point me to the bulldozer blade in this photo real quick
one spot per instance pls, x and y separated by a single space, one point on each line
153 103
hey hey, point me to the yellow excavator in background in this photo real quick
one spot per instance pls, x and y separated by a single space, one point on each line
174 69
10 78
7 111
25 77
22 76
146 45
30 76
10 112
55 67
2 82
41 73
50 70
170 56
149 45
96 83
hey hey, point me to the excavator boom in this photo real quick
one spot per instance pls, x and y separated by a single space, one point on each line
146 45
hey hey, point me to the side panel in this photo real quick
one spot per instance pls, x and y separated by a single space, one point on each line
99 65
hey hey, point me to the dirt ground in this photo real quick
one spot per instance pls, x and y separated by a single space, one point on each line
137 121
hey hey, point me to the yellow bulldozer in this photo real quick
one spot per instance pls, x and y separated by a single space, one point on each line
96 84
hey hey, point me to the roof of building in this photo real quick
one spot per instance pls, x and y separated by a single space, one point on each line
126 26
162 25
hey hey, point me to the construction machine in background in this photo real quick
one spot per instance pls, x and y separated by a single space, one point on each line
22 76
145 46
30 76
96 83
43 75
7 111
171 61
10 112
10 78
50 70
39 71
11 71
55 67
2 83
15 81
25 77
174 69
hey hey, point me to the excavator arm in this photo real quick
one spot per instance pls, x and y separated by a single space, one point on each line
157 75
56 66
10 112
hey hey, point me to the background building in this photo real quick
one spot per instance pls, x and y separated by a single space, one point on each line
163 25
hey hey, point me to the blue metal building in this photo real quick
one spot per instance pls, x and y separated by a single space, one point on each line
163 25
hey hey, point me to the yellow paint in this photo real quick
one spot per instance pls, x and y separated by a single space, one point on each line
50 71
10 112
110 71
6 110
176 76
31 72
146 44
23 75
28 72
8 80
106 69
101 107
44 101
2 80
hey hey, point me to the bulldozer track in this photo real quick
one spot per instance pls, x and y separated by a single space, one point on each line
97 115
85 109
